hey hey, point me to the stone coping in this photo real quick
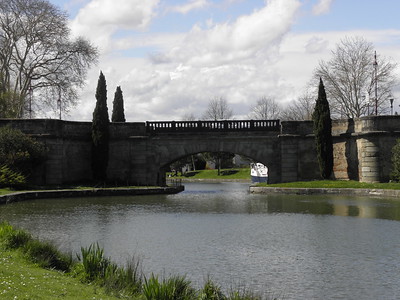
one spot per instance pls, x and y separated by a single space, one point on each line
95 192
331 191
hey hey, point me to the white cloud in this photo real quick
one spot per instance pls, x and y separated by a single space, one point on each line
316 44
243 39
322 7
234 60
100 19
253 56
191 5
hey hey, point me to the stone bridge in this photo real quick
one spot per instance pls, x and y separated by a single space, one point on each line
141 152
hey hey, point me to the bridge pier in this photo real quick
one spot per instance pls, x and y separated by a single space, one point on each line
289 158
370 160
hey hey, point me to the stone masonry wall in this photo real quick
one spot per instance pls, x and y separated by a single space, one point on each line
362 150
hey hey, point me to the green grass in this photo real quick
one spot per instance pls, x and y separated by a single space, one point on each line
236 173
334 184
20 278
5 191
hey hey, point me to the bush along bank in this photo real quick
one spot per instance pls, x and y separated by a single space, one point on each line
102 278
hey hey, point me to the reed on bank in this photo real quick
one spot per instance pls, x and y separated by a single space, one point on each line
90 276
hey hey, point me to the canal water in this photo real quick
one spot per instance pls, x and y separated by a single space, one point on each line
295 247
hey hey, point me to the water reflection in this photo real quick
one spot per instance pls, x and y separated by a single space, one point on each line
306 247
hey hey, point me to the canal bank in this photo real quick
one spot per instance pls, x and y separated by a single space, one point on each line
322 191
94 192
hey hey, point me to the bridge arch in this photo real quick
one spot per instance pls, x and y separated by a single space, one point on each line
260 148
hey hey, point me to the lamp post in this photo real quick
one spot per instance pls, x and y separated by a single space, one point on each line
391 106
30 101
59 101
376 85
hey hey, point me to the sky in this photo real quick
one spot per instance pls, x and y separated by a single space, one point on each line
171 57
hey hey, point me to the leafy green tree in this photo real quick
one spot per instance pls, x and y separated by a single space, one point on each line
323 133
19 155
395 175
100 132
118 114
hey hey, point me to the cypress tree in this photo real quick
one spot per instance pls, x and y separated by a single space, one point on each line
323 133
100 132
118 107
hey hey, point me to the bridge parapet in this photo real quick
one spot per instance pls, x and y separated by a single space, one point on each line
207 126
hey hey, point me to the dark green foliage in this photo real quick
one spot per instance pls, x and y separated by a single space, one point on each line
118 107
174 288
323 133
127 281
94 262
211 291
10 178
395 175
47 255
44 254
100 132
19 154
116 280
16 238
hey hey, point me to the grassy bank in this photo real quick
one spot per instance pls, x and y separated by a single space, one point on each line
339 184
231 174
23 277
30 269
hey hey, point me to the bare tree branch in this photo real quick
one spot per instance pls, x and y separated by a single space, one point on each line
218 109
37 55
300 109
350 80
265 108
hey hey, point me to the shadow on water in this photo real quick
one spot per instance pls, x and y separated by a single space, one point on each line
305 247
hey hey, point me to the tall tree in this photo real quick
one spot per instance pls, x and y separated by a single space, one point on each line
323 133
38 57
354 75
118 114
100 132
265 108
218 109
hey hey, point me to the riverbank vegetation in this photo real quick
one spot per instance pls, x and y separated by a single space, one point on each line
33 269
334 184
231 174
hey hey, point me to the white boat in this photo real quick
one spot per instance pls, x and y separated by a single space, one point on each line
258 172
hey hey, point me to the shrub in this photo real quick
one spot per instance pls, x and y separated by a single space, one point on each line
10 178
19 152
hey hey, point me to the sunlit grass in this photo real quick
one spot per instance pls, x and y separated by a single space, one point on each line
235 173
5 191
334 184
21 278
